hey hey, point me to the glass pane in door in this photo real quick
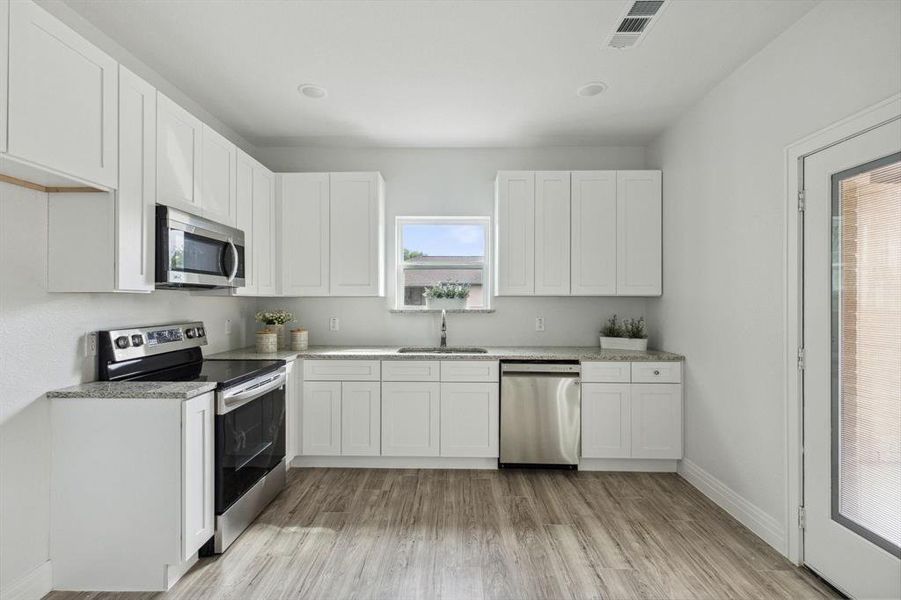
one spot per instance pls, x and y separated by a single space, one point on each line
866 351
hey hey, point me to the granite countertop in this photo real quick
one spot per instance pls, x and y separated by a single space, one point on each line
494 353
135 389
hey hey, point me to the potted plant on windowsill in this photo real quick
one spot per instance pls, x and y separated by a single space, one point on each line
631 334
449 295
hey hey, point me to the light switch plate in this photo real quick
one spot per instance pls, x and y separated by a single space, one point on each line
334 324
90 343
539 323
228 327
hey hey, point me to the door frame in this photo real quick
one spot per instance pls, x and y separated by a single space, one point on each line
793 251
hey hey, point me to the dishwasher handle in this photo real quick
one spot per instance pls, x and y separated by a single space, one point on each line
555 369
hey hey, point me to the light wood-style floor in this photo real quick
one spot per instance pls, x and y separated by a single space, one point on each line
399 534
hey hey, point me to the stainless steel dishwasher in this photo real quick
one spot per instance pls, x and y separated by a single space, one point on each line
540 414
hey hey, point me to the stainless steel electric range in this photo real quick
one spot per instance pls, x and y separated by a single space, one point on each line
250 413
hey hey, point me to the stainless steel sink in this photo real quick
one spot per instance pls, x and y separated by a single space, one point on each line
440 350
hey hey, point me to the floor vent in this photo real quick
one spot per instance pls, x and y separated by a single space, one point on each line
634 25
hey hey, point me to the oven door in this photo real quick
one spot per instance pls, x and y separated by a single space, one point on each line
250 437
196 252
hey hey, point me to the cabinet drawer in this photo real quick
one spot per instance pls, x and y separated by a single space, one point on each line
410 370
341 370
469 370
657 372
606 372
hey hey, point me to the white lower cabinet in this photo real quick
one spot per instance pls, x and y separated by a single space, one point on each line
321 418
410 418
606 420
361 418
656 420
197 473
469 420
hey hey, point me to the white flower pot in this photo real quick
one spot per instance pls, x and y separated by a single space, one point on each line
445 303
616 343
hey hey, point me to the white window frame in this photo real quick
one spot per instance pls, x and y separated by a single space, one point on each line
401 264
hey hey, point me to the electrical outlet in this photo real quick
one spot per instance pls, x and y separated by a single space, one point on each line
90 343
539 323
334 324
228 327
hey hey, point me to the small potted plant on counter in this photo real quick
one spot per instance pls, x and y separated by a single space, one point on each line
450 295
631 334
275 321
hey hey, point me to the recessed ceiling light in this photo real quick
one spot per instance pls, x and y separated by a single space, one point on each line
311 90
591 89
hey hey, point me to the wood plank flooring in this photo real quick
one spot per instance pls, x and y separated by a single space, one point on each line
404 534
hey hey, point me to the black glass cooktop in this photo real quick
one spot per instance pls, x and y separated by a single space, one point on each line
227 373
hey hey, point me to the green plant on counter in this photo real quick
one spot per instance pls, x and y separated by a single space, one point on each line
274 317
447 289
612 328
635 329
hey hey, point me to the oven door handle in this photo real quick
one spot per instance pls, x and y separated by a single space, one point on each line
233 400
234 271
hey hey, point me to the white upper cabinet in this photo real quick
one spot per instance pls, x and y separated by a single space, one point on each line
265 232
136 193
179 143
244 166
357 234
515 233
304 209
4 66
61 98
217 170
593 265
639 249
552 235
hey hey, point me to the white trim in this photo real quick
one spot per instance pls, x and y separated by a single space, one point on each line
633 465
746 512
873 116
34 585
393 462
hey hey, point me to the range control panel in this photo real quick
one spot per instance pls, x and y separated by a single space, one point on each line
125 344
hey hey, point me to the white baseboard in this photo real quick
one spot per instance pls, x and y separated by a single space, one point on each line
393 462
745 512
635 465
33 586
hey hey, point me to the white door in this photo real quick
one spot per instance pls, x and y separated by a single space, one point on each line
469 419
593 232
639 241
356 234
136 193
62 97
656 420
304 219
552 243
179 141
515 222
606 420
321 418
361 418
265 232
410 418
852 377
197 473
217 176
244 166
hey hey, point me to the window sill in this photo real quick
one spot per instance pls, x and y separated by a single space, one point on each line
423 311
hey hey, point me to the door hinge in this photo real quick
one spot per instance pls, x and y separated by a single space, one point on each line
802 200
802 518
802 359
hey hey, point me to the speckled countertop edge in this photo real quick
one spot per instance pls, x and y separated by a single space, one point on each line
135 389
494 353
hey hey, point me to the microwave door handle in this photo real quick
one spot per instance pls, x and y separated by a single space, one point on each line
234 271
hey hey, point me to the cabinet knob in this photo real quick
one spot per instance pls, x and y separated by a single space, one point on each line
656 371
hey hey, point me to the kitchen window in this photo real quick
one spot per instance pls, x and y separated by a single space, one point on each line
433 250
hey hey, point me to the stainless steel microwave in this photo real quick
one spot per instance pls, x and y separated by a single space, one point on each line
193 252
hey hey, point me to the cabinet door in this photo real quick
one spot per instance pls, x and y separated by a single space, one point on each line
356 234
244 166
593 233
361 418
197 473
410 418
136 193
552 243
606 420
304 219
4 67
265 232
179 140
62 98
639 270
217 176
469 419
656 420
321 418
515 224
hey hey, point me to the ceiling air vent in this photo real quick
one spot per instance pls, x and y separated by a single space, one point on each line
635 23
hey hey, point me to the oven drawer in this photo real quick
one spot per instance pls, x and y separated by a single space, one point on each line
341 370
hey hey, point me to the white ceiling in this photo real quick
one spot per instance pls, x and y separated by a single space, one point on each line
439 73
